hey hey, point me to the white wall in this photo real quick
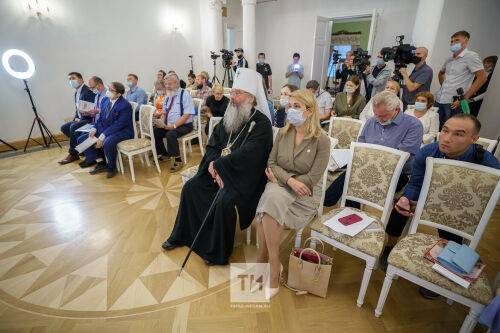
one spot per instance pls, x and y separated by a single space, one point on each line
287 26
105 38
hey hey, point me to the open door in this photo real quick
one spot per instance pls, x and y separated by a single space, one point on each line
373 31
321 53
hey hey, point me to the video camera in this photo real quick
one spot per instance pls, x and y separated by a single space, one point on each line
335 56
214 56
361 60
402 54
227 56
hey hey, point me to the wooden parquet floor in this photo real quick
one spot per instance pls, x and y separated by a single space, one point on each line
81 253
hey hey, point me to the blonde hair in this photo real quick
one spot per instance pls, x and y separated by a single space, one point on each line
313 129
217 87
205 75
395 83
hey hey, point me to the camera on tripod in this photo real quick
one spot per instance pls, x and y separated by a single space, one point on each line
361 60
335 56
227 56
402 54
214 56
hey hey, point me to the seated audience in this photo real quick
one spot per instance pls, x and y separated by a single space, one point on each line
191 82
456 141
235 159
391 128
207 78
280 114
216 104
159 76
82 93
114 125
350 103
177 112
202 90
98 88
391 86
292 195
135 93
160 88
429 119
182 84
323 98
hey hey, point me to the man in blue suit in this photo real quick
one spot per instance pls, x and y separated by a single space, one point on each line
114 125
82 93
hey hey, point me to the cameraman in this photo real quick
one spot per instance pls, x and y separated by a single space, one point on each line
242 62
420 78
346 70
458 71
295 71
377 77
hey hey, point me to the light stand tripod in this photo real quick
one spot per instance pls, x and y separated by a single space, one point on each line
192 68
41 125
8 145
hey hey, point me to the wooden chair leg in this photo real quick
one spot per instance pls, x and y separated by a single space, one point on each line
389 276
184 152
249 234
469 322
121 163
201 145
298 237
156 160
131 163
146 157
370 266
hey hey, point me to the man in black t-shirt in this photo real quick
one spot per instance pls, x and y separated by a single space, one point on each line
265 70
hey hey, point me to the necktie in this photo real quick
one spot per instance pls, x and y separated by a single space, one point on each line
108 108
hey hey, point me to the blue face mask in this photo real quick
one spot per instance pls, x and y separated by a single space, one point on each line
387 122
129 84
295 117
349 91
420 106
95 91
316 94
261 60
200 86
379 62
455 47
283 101
160 92
73 83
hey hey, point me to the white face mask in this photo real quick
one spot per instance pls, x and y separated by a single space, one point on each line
110 95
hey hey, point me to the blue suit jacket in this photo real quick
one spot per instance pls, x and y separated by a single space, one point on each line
85 95
119 119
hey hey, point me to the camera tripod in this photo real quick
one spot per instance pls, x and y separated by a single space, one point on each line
215 72
334 58
227 74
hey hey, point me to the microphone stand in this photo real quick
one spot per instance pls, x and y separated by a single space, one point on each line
212 205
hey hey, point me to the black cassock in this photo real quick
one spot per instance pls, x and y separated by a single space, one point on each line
244 179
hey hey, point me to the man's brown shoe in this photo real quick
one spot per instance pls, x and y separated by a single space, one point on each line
68 159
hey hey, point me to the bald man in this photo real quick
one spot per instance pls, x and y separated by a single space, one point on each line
420 78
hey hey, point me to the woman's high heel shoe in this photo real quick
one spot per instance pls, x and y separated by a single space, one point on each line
271 292
260 273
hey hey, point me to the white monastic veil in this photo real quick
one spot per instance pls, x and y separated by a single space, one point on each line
250 81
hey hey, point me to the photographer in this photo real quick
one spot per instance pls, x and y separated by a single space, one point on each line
458 71
377 76
420 78
295 71
346 70
242 62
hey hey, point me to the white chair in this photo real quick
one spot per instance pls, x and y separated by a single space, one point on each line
371 178
458 197
142 145
193 92
195 134
211 125
134 106
346 130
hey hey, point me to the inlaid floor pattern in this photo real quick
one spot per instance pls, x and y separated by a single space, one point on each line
81 253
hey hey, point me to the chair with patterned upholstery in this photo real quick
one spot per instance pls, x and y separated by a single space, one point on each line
196 133
487 144
458 197
346 130
141 145
371 178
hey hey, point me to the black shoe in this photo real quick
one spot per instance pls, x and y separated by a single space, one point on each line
383 258
208 263
111 173
86 164
168 246
101 167
429 294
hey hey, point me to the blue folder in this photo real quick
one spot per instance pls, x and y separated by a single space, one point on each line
459 258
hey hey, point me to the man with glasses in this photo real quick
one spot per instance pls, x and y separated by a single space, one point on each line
177 116
234 162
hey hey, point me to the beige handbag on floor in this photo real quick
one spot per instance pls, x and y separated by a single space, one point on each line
305 276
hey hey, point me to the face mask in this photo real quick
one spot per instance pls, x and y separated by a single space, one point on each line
349 91
199 86
316 94
240 56
415 60
455 47
283 101
488 70
379 62
110 95
261 61
388 122
160 92
95 91
420 106
73 83
129 84
295 117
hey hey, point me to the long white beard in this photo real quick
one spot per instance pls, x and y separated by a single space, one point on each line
236 116
171 93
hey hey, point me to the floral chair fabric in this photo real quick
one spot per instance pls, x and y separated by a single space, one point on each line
408 255
189 173
145 124
134 144
371 174
346 132
458 197
370 243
